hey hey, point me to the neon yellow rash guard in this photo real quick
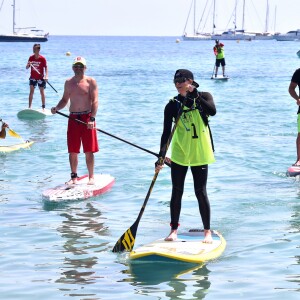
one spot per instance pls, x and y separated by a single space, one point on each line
221 53
191 143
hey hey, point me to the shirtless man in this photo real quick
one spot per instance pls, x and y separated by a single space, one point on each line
82 91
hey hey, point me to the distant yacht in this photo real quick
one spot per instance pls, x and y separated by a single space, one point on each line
293 35
35 35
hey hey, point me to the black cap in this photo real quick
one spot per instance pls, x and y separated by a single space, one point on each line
184 75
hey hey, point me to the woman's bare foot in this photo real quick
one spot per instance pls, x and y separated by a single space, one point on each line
207 237
71 181
172 236
91 181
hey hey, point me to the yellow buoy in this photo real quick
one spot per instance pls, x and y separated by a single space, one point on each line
68 53
178 41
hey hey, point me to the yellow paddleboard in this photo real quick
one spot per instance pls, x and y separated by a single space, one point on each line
187 248
15 147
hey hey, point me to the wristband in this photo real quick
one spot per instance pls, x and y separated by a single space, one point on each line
92 119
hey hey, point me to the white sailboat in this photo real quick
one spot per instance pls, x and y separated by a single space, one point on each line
242 34
19 35
196 35
265 35
235 34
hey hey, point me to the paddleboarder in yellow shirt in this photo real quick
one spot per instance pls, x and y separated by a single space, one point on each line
192 147
220 57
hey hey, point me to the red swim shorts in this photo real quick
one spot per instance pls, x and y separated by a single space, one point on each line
78 133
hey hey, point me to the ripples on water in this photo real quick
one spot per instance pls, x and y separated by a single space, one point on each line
64 251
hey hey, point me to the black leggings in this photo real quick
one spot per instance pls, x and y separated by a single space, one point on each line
178 174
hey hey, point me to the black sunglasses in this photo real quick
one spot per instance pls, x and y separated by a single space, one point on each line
180 80
78 66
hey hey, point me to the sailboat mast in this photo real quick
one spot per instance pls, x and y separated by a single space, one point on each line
194 17
243 22
14 16
267 17
214 15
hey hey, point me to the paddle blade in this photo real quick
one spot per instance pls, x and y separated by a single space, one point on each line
13 134
126 241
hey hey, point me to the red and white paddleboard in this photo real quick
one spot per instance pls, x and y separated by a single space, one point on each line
293 171
80 190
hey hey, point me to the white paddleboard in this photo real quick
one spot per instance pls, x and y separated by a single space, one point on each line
293 171
220 77
187 248
10 148
34 114
81 190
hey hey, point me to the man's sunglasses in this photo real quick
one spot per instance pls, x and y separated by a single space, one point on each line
180 80
78 66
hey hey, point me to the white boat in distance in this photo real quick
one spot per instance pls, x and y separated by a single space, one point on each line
35 35
243 34
293 35
196 35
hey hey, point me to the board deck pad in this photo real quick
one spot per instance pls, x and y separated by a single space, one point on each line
15 147
187 248
34 114
220 77
81 190
293 171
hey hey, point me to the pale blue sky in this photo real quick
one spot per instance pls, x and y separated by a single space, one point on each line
142 17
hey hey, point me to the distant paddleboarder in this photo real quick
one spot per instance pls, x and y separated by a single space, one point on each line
295 81
220 57
38 74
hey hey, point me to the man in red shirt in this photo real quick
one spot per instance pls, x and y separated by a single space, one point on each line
38 73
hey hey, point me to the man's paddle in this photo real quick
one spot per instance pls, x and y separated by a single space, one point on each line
212 75
127 240
12 132
168 161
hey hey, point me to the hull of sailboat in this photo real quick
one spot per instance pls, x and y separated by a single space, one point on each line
22 38
233 37
196 37
283 38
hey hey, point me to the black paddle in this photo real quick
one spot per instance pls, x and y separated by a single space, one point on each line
40 74
168 161
127 240
212 75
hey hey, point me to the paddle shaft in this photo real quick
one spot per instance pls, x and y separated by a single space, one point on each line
127 240
111 135
212 75
40 74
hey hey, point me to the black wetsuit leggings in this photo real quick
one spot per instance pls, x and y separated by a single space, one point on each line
178 174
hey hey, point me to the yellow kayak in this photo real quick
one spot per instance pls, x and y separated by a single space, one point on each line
15 147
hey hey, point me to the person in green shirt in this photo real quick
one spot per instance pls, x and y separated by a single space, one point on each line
191 146
220 57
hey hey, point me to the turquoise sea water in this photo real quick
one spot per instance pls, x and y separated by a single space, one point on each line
64 251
